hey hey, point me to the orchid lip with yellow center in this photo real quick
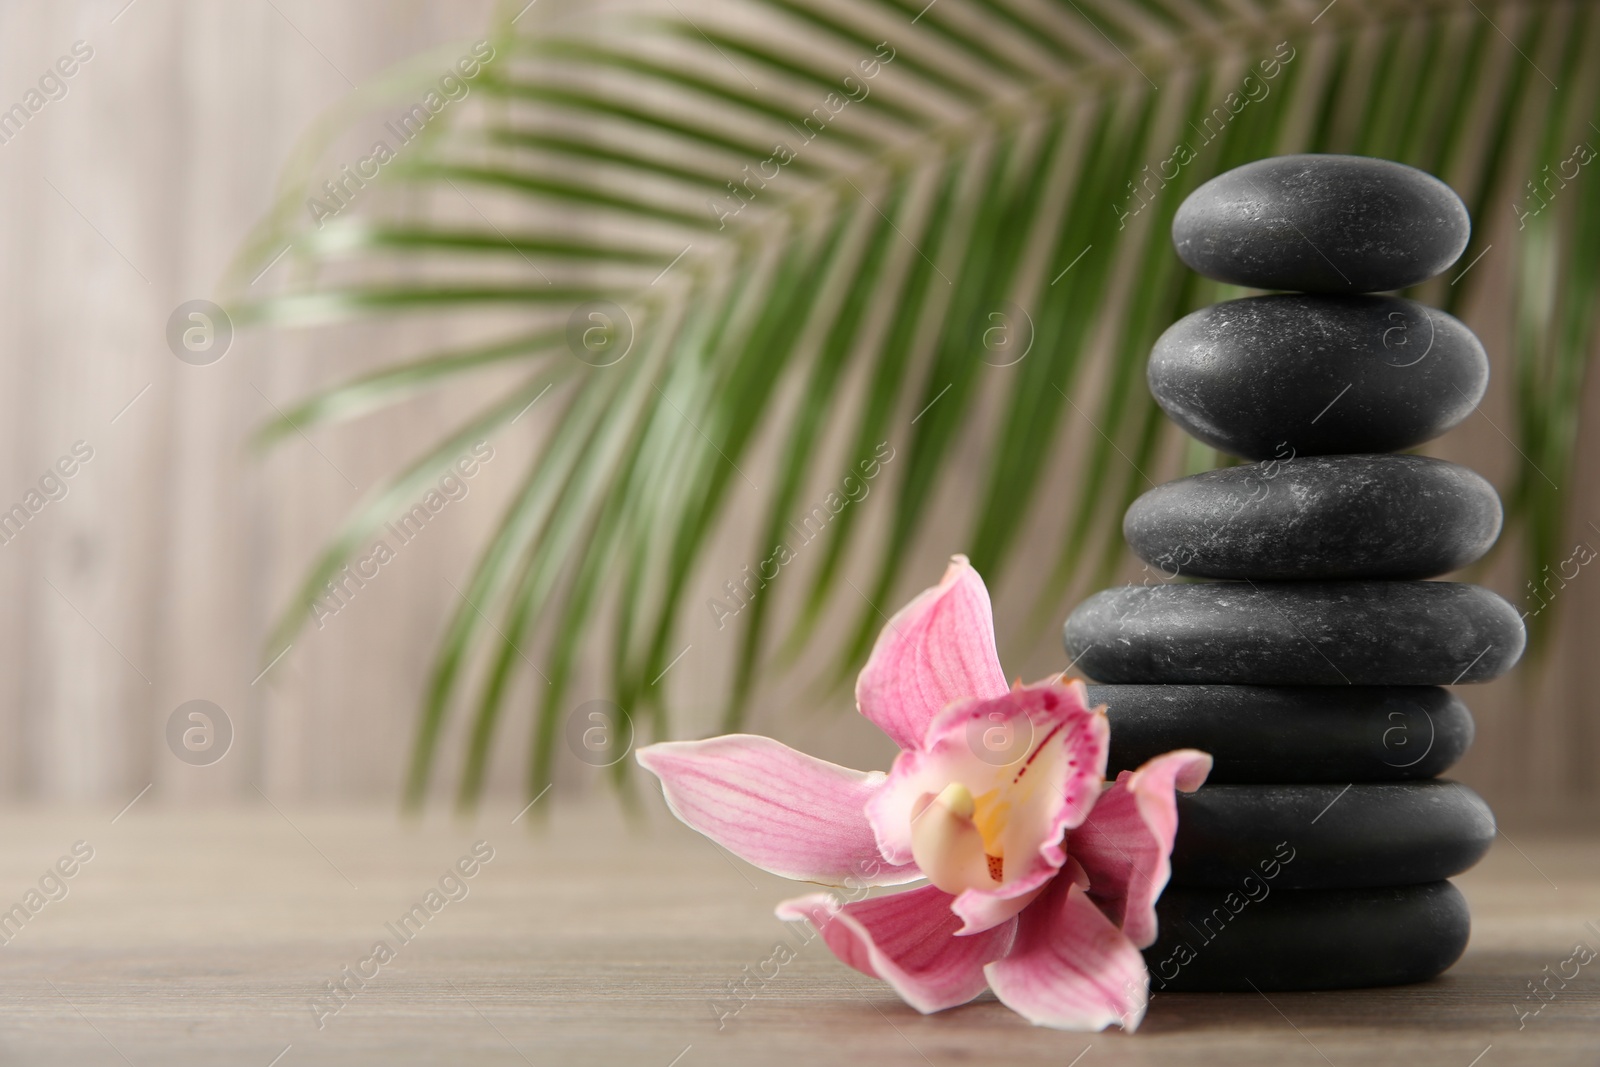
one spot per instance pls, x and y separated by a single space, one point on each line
949 844
988 825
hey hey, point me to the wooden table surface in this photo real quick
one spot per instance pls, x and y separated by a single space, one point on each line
211 937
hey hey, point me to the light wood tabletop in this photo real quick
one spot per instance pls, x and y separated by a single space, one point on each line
212 937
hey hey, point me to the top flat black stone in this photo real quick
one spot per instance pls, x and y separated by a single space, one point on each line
1322 224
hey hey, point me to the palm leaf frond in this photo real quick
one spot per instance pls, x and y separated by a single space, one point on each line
797 203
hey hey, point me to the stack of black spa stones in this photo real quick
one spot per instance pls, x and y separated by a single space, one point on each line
1311 658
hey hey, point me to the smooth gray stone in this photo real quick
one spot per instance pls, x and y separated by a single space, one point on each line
1267 939
1274 377
1318 517
1322 224
1290 733
1295 633
1339 836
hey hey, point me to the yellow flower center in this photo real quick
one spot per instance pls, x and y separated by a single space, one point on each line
955 838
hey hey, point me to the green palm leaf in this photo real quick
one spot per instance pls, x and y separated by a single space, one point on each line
797 203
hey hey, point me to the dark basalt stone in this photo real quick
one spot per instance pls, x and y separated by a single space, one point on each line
1290 733
1272 377
1349 836
1295 633
1322 224
1318 517
1261 938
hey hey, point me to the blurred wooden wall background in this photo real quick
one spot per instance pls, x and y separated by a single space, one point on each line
153 581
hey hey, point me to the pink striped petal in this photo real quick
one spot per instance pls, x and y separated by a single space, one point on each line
936 650
782 810
1070 967
1126 845
983 909
1044 768
909 940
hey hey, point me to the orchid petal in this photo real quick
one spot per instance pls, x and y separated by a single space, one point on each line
782 810
1070 967
983 909
907 939
937 649
1044 768
1126 844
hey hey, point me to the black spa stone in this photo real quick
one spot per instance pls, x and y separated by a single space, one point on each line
1295 633
1347 836
1290 733
1263 938
1273 377
1318 517
1322 224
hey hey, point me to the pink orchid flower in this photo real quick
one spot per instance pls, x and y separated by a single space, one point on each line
1042 882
